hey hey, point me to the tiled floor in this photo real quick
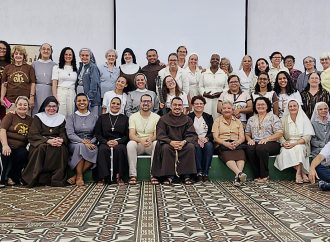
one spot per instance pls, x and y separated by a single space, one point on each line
213 211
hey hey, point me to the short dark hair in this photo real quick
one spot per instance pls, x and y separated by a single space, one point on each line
198 97
176 98
145 95
290 57
182 46
132 54
267 101
172 54
276 53
151 50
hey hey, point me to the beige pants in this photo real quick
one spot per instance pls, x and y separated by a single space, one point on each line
66 98
133 150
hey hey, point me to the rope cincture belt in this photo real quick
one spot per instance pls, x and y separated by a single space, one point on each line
176 162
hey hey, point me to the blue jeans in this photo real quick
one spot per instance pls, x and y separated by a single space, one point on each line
203 158
323 172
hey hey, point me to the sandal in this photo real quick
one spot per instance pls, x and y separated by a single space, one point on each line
80 181
132 180
187 181
154 181
71 180
168 181
305 178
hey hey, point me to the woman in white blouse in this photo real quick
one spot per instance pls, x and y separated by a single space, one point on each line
194 74
64 77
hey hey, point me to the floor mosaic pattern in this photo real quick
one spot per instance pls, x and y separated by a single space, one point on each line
212 211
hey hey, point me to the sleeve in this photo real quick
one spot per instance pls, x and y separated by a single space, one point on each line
70 130
95 82
131 122
185 100
248 128
7 121
161 134
34 136
277 124
156 104
316 140
201 84
129 104
62 133
326 151
222 97
125 138
98 131
215 126
4 74
190 133
106 101
55 73
185 82
210 126
32 75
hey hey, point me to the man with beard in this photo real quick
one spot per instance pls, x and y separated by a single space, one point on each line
175 148
151 70
142 134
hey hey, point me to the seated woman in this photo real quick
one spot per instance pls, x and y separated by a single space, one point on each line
263 88
240 99
204 148
262 133
13 135
313 93
297 132
79 128
48 154
111 130
120 91
170 90
321 124
228 135
134 97
285 90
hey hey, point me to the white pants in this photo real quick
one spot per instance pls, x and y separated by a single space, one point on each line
133 150
66 98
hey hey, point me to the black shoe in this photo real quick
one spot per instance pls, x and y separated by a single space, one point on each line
206 178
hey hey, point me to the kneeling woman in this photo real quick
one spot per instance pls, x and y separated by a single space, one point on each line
297 129
79 128
13 135
228 134
263 131
48 147
111 130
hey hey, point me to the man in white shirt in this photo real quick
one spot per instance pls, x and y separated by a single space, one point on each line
142 134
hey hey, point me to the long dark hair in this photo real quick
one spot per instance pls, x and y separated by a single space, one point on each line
290 88
256 70
8 51
61 61
269 85
166 90
308 86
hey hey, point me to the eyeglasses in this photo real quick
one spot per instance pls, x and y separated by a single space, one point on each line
263 79
324 59
51 106
309 61
277 57
231 82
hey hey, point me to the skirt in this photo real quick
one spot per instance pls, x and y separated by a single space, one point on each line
228 155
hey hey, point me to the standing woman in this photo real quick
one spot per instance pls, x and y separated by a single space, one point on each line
88 81
213 82
321 124
245 73
261 66
13 136
263 88
297 132
48 153
43 68
204 148
134 97
64 78
111 130
194 74
4 60
262 133
325 74
109 72
313 93
129 68
310 67
226 66
285 90
79 128
18 79
182 54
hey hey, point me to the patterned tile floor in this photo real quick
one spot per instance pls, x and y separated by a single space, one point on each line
213 211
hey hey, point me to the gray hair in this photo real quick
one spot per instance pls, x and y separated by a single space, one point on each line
109 51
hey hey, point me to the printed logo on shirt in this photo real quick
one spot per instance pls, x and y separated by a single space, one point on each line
18 77
22 129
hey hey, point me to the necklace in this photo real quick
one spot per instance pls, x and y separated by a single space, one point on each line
113 124
145 122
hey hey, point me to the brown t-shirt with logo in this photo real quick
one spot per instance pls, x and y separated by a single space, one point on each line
17 129
18 79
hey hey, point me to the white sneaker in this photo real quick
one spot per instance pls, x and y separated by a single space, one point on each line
242 177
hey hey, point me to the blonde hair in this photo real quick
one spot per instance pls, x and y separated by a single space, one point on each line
20 49
22 98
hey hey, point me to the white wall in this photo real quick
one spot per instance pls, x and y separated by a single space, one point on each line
204 27
74 23
296 27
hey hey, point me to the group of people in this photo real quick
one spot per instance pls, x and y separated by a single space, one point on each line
102 117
